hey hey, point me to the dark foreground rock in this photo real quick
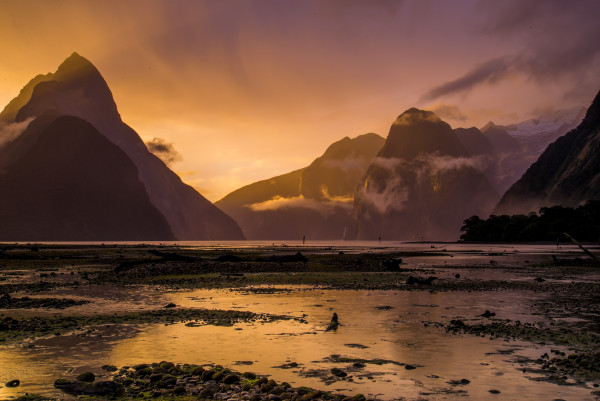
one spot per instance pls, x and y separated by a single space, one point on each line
166 380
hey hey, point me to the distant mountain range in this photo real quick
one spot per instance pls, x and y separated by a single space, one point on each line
71 169
567 173
315 202
421 182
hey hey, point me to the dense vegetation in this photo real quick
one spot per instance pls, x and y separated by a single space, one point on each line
582 223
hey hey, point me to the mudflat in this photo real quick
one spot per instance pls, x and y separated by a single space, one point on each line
416 321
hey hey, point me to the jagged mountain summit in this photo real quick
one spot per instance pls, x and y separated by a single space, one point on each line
315 201
422 184
77 89
567 173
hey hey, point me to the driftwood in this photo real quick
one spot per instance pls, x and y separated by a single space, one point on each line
581 246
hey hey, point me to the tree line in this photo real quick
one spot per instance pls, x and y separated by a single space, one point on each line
550 224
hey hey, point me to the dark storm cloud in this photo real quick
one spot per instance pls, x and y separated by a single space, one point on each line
554 40
164 150
490 72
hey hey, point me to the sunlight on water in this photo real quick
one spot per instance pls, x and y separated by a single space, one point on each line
375 325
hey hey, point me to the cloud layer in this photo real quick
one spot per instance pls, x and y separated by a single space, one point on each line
164 150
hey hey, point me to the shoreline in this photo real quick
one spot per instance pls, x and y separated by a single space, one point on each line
56 282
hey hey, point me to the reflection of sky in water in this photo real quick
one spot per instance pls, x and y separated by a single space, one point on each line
397 334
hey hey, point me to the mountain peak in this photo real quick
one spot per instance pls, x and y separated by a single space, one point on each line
592 116
489 125
414 115
75 67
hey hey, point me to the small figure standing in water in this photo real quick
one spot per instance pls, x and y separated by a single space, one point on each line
303 239
333 325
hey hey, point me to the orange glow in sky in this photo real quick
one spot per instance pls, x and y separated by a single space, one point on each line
251 89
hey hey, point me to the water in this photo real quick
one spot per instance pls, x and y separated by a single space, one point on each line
396 333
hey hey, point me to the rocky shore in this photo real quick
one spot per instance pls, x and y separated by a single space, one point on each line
565 286
166 380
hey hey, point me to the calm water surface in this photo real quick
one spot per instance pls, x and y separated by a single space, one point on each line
395 333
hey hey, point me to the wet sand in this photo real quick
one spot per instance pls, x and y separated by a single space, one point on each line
511 320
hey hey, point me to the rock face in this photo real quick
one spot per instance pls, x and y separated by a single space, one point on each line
315 201
70 183
515 147
566 174
77 89
422 184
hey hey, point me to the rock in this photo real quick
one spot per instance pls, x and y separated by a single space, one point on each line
155 377
197 371
249 375
13 383
261 381
179 390
207 374
87 377
206 393
420 280
277 390
109 368
488 314
255 397
231 379
539 279
494 391
109 388
457 275
409 367
170 305
393 265
338 372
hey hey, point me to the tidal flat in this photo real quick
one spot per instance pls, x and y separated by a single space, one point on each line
248 322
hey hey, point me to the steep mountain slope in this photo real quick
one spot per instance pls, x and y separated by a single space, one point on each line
474 142
518 146
422 184
78 89
69 183
567 173
315 201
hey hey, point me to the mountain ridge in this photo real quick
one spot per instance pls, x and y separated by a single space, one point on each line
78 89
566 173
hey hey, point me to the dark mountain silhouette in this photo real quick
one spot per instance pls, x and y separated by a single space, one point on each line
474 142
70 183
77 89
422 184
567 173
315 201
499 137
507 151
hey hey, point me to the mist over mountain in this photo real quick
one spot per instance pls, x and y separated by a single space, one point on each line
315 201
77 89
422 184
567 173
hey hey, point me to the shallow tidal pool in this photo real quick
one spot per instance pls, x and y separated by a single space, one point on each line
394 328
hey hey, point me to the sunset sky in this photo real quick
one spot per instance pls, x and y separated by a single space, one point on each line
245 90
